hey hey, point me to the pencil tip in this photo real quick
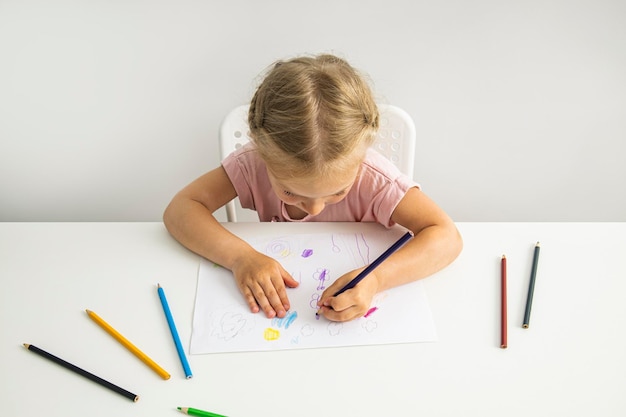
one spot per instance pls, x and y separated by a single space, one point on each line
537 244
26 345
503 256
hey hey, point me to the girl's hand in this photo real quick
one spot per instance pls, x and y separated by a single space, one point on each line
350 304
262 281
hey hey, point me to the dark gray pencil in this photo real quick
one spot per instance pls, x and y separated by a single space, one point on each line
377 261
82 372
531 287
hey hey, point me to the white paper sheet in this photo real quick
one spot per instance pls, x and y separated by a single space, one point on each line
222 321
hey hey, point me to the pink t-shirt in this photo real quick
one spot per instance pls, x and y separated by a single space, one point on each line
374 196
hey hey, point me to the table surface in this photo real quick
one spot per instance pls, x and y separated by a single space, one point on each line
571 361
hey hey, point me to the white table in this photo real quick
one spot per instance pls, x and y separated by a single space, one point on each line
570 362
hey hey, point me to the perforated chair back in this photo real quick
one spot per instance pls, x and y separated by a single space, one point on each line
395 139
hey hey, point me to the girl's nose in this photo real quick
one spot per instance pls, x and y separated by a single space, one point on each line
313 207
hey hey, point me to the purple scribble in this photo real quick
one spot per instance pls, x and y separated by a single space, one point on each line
322 278
307 252
370 311
314 299
364 252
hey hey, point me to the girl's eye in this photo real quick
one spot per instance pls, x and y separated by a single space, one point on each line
290 194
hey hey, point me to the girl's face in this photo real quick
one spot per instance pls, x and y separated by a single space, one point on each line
312 196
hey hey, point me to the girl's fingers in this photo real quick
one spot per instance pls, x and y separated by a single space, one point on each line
275 298
342 315
263 286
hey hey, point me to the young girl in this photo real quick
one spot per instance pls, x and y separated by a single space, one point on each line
312 121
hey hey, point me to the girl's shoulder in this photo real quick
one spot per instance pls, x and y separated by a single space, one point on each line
243 161
244 155
379 164
247 150
378 170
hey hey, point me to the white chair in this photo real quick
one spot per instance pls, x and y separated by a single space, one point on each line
395 139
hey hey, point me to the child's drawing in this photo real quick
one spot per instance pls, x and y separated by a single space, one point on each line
307 330
279 248
370 311
369 325
222 320
286 321
334 328
315 297
363 249
231 324
321 275
271 334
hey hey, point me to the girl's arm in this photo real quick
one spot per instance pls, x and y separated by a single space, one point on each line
436 244
189 219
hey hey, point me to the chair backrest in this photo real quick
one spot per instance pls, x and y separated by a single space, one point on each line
395 139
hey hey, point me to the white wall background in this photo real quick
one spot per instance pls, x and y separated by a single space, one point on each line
107 108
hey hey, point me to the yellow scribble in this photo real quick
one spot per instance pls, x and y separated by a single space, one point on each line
271 334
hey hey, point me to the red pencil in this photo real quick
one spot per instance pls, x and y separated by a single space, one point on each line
503 341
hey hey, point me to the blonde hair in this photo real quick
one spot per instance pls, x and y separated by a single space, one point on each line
312 117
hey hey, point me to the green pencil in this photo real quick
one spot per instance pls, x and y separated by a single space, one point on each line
200 413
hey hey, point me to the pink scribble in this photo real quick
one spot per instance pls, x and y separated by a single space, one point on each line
370 311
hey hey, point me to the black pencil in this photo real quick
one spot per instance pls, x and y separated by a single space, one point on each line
373 265
377 261
531 287
82 372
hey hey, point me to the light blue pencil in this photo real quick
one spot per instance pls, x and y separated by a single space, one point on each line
170 322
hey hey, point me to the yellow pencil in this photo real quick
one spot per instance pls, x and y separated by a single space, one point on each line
126 343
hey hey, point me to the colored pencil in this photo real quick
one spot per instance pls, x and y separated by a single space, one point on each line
82 372
128 345
503 307
200 413
373 265
531 287
172 325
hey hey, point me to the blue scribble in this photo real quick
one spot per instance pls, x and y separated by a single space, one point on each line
286 321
